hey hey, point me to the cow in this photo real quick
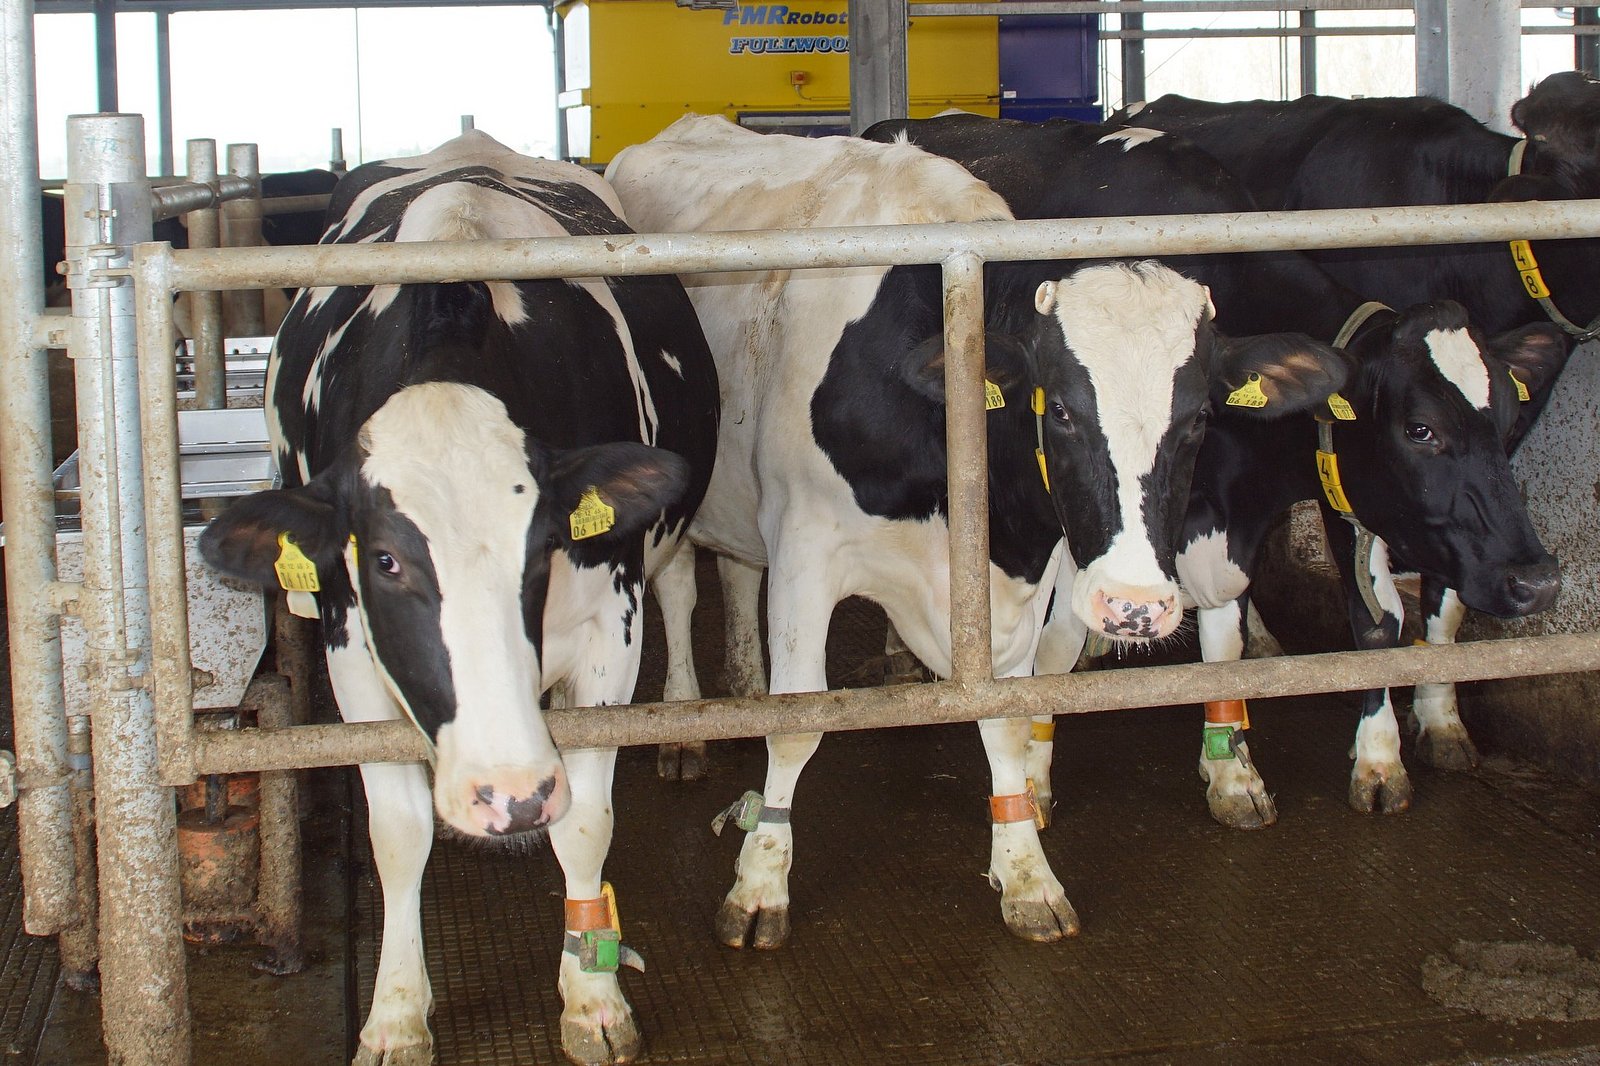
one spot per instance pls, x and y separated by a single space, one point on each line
1448 504
1326 152
831 465
481 476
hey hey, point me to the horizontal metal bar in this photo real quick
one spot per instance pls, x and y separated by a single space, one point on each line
172 200
289 205
1147 7
1198 34
687 253
930 704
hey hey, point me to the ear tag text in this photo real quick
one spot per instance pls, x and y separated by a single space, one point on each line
1341 408
1249 394
1522 390
993 398
1328 474
296 573
593 516
1528 267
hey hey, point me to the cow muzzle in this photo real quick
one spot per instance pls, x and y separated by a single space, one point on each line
1136 614
1533 588
506 801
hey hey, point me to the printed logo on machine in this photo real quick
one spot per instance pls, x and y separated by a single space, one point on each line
752 15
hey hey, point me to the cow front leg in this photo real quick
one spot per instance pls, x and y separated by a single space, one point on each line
1442 739
1379 782
597 1025
677 594
1061 644
400 823
1032 901
1235 793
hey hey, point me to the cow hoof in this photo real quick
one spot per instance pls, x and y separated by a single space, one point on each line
1380 793
598 1045
1039 920
1447 749
764 928
411 1055
681 762
1252 810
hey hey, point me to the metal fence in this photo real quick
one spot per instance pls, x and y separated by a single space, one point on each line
132 599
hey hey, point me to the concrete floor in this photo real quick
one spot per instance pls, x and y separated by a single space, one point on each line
1301 944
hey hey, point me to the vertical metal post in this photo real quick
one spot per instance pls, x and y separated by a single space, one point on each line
967 445
44 807
1133 90
468 123
144 990
242 311
879 87
205 308
1308 52
1486 59
164 92
278 893
105 53
336 152
558 48
1586 46
1433 49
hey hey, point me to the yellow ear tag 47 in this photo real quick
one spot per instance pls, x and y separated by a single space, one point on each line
1328 473
296 573
1249 394
993 398
1341 408
592 517
1522 390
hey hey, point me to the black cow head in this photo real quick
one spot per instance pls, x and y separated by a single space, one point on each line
1562 114
1424 463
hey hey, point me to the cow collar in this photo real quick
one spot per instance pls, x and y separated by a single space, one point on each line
1528 267
1328 467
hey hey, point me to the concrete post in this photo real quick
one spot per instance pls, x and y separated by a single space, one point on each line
242 312
205 308
879 87
1485 43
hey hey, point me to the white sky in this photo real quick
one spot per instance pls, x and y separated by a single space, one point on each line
397 81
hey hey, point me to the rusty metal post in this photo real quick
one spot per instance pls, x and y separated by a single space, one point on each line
144 1003
205 307
79 945
278 892
294 639
967 445
243 314
50 901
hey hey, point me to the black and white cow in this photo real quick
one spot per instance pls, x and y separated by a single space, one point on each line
831 458
1326 152
483 475
1449 502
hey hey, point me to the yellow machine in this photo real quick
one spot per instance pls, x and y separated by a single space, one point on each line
632 67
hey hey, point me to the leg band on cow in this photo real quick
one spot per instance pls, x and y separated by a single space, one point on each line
594 934
1226 721
749 811
1044 732
1022 807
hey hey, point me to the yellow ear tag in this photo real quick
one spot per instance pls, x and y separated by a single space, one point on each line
1038 400
1341 408
1528 267
1249 394
296 573
1328 473
993 398
1044 471
355 556
1522 390
610 896
593 516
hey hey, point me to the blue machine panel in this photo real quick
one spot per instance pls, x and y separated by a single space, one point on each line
1049 67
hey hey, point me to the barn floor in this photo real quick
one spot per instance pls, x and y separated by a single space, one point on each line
1302 944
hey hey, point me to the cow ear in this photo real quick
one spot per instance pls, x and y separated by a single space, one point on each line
613 490
1536 355
242 542
1004 357
1276 374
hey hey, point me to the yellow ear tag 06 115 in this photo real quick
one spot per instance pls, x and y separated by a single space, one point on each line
1341 408
1522 390
593 515
1249 394
296 573
993 398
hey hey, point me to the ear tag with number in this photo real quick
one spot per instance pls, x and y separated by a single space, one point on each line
1341 408
1528 267
1328 474
296 573
1249 394
1522 390
593 515
993 398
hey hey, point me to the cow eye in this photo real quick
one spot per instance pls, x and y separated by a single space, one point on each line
1420 433
1198 426
386 564
1058 411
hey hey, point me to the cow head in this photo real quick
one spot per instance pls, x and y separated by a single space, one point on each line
1130 367
1562 115
432 537
1424 462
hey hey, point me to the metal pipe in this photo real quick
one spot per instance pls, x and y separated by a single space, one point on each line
1308 52
205 306
289 205
687 253
934 703
278 892
169 603
967 444
44 805
79 945
879 85
1133 89
164 91
198 193
144 1001
243 314
1161 7
336 152
1586 48
105 54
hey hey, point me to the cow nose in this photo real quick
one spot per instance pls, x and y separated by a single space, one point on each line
1533 588
508 807
1138 618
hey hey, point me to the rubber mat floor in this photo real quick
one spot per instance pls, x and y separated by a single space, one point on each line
1304 943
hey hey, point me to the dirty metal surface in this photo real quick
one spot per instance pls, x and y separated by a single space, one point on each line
1304 943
